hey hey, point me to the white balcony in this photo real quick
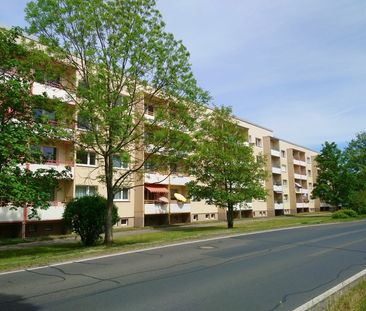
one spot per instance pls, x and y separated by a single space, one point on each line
156 208
302 205
174 207
275 153
322 204
299 176
243 206
165 179
9 215
299 162
149 116
276 170
277 188
51 92
178 207
278 206
56 165
54 212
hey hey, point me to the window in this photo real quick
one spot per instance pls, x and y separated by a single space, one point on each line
51 194
118 162
207 216
149 109
85 158
124 222
212 216
258 142
83 191
195 217
149 165
284 182
283 153
83 123
49 154
310 185
44 115
308 160
122 195
285 197
309 172
283 168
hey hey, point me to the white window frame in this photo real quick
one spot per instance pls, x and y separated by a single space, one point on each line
88 159
87 190
121 192
124 165
258 142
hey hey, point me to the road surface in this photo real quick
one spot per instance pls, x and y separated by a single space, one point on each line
277 270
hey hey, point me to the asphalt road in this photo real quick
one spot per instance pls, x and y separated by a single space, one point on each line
268 271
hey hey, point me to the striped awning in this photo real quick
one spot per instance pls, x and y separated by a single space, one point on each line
157 188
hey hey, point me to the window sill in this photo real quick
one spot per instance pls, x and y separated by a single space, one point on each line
86 165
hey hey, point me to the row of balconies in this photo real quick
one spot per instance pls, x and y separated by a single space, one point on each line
54 212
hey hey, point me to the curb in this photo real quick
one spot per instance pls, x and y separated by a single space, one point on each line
321 300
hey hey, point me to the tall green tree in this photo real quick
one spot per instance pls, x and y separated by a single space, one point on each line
124 59
225 168
20 131
333 181
355 156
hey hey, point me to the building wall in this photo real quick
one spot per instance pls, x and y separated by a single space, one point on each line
281 164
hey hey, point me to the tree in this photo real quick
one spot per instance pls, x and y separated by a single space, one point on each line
332 184
125 61
86 216
355 155
225 169
20 131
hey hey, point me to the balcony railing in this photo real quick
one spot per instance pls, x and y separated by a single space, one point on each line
278 206
52 91
299 162
275 153
276 170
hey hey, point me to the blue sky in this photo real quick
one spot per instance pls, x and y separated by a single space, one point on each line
297 67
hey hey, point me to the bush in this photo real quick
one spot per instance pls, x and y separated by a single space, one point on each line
344 213
358 201
87 216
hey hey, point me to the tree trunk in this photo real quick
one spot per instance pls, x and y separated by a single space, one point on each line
108 234
230 216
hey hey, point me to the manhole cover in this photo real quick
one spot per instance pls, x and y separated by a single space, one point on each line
207 247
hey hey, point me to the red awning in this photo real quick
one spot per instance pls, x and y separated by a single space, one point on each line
157 188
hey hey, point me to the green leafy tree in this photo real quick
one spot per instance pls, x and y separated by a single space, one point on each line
86 216
355 155
225 168
333 181
125 61
19 130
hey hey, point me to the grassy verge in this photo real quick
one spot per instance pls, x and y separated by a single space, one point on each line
30 256
352 299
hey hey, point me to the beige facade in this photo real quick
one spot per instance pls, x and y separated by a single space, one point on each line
152 200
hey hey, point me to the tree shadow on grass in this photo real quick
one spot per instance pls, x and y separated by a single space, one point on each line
15 303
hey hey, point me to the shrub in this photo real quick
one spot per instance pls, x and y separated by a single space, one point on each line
358 201
344 213
87 216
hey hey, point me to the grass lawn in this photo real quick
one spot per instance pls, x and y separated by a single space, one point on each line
353 299
25 256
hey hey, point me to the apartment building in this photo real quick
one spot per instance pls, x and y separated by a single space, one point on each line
162 197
